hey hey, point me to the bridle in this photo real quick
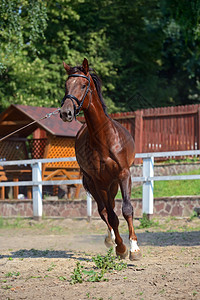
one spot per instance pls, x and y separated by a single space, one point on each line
73 98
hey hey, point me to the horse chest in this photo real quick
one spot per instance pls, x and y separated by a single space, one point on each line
98 167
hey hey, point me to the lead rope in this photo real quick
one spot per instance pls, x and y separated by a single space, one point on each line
45 117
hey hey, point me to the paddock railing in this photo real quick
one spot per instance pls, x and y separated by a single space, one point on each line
147 179
37 181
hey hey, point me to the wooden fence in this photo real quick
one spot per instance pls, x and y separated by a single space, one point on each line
163 129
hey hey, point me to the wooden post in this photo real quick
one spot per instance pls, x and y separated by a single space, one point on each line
2 192
198 129
138 134
29 192
37 190
89 207
147 194
15 189
78 188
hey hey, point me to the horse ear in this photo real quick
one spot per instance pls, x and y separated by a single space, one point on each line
85 66
67 67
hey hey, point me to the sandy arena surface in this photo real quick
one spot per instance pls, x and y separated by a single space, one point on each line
37 260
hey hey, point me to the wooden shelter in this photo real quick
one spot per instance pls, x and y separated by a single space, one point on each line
47 138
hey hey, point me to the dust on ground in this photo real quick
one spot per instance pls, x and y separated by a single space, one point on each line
37 260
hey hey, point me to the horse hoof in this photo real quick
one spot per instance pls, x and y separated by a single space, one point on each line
135 255
122 255
109 243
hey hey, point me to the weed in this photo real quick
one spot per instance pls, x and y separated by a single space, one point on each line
6 287
194 293
93 276
103 263
193 216
56 229
33 277
12 274
62 278
146 223
140 294
51 267
77 276
1 222
108 262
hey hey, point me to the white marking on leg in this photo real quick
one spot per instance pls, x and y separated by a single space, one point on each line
112 234
110 239
134 246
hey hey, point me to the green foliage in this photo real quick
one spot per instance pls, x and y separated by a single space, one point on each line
108 262
77 276
12 274
194 215
146 223
148 48
104 264
23 23
15 223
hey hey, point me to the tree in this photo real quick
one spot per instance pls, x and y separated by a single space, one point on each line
143 50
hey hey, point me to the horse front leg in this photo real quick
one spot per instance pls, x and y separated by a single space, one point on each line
90 186
127 211
109 216
120 249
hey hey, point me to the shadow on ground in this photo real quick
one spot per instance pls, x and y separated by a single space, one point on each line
83 244
162 239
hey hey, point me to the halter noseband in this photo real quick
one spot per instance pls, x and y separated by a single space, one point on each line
73 98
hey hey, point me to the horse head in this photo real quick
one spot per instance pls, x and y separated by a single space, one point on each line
77 87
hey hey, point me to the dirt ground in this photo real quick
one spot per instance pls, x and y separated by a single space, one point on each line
37 260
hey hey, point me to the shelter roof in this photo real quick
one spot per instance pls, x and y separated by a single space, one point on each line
17 116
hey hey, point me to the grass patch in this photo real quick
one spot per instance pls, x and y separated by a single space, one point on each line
146 223
12 223
103 264
170 188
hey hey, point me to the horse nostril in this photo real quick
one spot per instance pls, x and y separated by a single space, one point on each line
69 113
66 115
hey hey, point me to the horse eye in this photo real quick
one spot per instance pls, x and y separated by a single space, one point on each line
83 86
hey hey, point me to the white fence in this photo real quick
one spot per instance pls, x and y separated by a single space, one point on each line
148 178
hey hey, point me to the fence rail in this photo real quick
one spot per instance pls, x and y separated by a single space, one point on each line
37 181
147 179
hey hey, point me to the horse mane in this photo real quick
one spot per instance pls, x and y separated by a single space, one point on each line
97 82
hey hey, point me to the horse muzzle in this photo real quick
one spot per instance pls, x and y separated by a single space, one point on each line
66 115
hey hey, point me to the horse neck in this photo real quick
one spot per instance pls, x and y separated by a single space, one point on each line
96 119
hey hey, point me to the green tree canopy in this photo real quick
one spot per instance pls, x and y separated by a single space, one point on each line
148 48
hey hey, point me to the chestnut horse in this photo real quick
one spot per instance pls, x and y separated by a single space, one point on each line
104 151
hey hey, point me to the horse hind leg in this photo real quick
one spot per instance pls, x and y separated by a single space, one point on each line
127 211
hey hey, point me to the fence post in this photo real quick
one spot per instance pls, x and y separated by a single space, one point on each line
37 190
89 207
138 136
147 195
